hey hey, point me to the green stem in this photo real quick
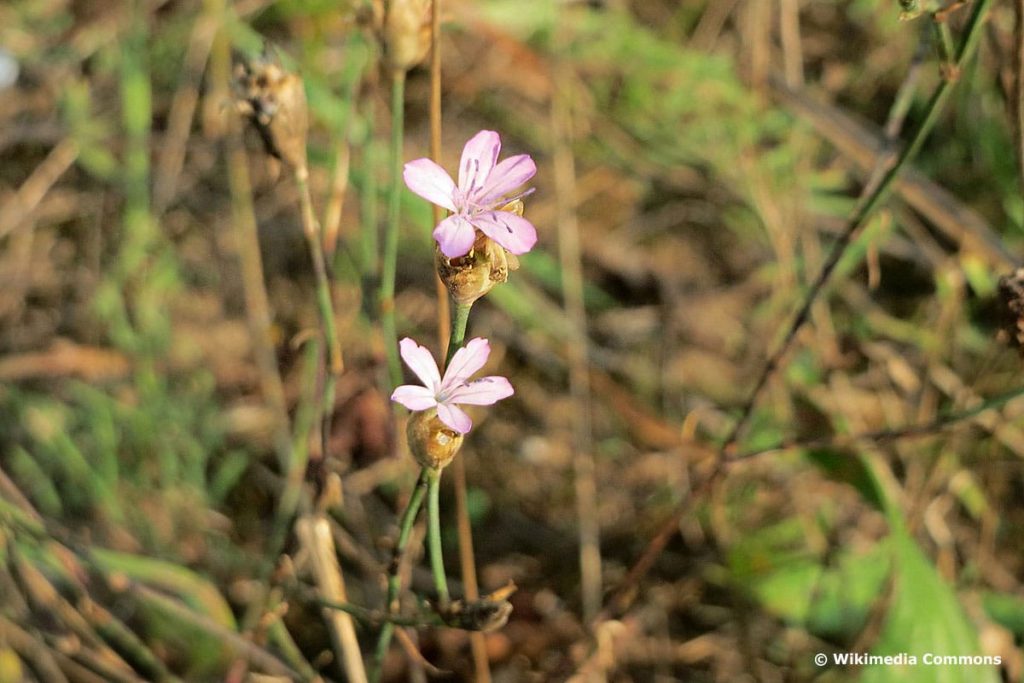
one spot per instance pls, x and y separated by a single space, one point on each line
335 364
311 230
460 318
394 580
369 242
434 535
390 265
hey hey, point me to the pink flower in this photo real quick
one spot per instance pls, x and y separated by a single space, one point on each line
484 186
445 394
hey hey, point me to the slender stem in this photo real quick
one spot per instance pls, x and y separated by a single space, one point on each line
443 314
434 535
429 479
460 319
369 246
390 265
335 364
394 578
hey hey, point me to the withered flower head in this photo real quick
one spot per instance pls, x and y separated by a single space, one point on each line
433 443
1011 298
489 613
275 101
405 32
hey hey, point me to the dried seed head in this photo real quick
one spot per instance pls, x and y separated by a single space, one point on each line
489 613
471 276
433 443
405 32
275 101
1011 296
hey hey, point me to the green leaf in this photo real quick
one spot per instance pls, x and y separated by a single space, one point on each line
1007 610
925 618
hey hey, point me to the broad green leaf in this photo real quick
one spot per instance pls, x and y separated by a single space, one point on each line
924 619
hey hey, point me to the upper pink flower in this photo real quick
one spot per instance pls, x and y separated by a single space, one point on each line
484 186
445 393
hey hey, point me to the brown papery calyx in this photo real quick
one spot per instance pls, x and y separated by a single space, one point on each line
433 443
487 264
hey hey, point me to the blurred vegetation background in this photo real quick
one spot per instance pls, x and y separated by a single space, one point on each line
708 156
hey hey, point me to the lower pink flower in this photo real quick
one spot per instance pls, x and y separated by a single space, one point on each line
446 394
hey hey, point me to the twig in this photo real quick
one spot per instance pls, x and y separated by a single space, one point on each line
928 428
314 240
27 198
576 345
412 508
467 565
182 110
443 320
789 36
340 176
314 534
1018 87
390 263
864 147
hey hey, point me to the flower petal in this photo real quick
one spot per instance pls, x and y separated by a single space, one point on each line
431 182
422 362
483 392
478 158
513 232
506 176
454 417
414 397
466 361
455 235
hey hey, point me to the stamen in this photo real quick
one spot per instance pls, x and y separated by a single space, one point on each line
509 200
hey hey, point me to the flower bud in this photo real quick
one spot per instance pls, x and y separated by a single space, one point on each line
275 102
471 276
431 441
405 34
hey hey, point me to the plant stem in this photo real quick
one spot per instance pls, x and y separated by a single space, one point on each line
390 264
460 319
369 242
434 535
394 579
335 364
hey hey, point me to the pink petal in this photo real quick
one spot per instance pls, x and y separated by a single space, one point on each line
421 361
513 232
478 158
454 417
431 182
483 392
466 362
414 397
506 176
455 235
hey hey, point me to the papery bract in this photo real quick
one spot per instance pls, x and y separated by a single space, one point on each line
485 184
453 389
